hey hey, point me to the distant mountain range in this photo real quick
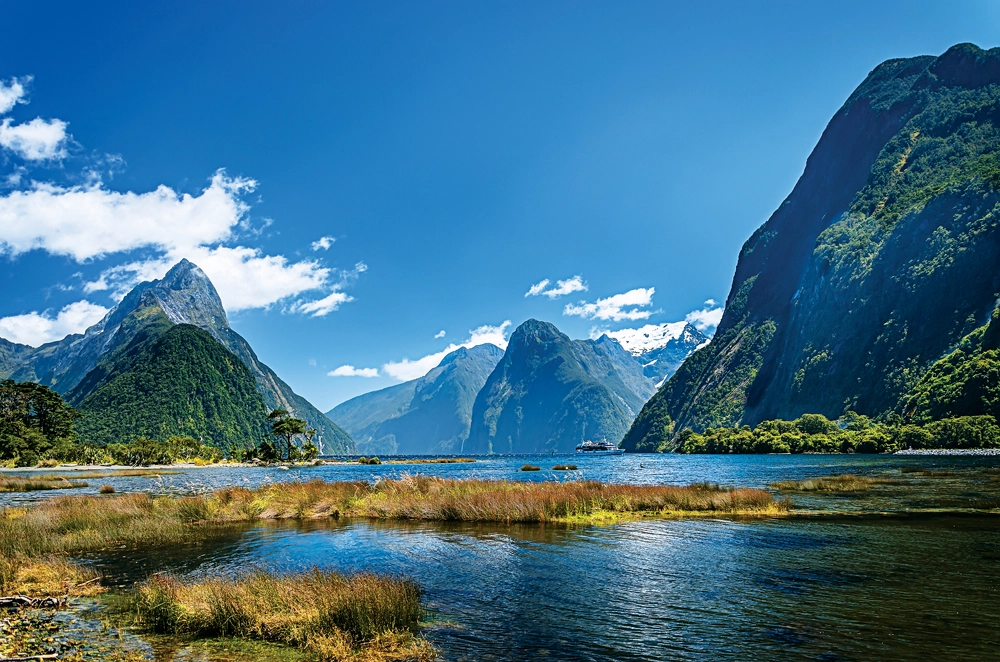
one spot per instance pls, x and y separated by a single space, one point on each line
429 415
545 392
872 286
661 348
165 361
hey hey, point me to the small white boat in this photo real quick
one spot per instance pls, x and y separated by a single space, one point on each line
602 447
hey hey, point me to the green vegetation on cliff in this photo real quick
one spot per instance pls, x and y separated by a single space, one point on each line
881 260
170 380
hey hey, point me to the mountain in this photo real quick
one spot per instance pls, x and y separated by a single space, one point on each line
660 348
877 265
162 379
429 415
185 295
549 393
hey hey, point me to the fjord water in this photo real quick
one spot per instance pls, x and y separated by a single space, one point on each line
908 570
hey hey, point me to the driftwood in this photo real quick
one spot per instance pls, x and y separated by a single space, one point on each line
20 601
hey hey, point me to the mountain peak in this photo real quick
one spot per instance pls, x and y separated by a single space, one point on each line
187 296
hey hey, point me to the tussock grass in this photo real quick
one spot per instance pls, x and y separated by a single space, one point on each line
564 467
530 467
331 615
37 483
106 489
842 483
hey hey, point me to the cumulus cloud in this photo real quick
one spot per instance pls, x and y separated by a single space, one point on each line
406 369
351 371
707 318
85 222
440 334
626 306
39 328
323 243
89 222
37 140
563 287
12 93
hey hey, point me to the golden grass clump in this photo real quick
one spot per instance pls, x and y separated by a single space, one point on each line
329 614
530 467
841 483
564 467
37 483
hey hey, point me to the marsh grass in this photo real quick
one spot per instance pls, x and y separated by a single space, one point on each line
77 524
37 483
564 467
328 614
530 467
842 483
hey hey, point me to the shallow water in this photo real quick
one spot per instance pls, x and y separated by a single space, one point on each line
917 580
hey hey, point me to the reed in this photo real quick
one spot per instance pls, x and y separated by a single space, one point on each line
331 615
841 483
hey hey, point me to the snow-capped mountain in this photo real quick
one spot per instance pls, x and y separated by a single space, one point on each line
660 348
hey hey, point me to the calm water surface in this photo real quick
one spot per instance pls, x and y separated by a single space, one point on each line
906 571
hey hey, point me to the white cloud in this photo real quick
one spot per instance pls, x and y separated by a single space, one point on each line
440 334
323 306
406 369
39 328
323 243
37 140
707 318
92 221
537 288
613 308
12 93
351 371
563 287
645 338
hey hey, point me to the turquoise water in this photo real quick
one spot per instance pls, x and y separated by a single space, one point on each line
909 570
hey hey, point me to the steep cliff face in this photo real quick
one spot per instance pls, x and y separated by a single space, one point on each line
185 295
429 415
877 264
549 393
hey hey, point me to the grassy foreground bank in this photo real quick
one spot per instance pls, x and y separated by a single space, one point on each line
330 616
74 524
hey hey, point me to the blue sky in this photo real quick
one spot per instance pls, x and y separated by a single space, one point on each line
452 154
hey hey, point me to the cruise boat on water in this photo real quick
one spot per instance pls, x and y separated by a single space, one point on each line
602 447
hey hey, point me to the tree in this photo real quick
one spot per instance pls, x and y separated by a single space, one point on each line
34 422
286 427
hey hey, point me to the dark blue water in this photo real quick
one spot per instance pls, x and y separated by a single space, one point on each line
909 570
